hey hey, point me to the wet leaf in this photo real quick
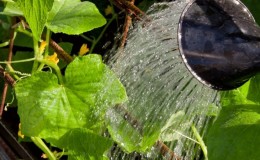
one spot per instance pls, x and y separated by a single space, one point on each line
126 136
129 134
48 109
168 132
253 90
237 96
83 144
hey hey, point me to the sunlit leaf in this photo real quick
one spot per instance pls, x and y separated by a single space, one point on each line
48 109
237 96
74 17
253 94
36 14
83 144
235 134
12 9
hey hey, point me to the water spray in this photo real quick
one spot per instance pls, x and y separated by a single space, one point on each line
165 100
219 42
215 41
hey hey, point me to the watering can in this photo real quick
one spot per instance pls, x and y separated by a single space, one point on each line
219 42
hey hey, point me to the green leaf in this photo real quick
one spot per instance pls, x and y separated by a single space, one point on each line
253 90
74 17
12 9
235 134
35 13
131 137
4 28
23 40
83 144
23 67
237 96
48 109
231 135
168 133
126 136
246 94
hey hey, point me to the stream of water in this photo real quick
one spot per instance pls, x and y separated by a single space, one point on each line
163 94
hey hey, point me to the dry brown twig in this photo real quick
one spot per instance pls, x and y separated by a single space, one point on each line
130 9
9 59
61 53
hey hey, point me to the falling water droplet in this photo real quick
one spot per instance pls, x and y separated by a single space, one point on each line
157 82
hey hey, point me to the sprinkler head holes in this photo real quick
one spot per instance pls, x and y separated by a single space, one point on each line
219 42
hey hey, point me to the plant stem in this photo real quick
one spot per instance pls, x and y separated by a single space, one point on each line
54 66
36 55
11 70
38 142
46 51
47 39
201 142
127 24
4 92
6 76
24 31
9 59
18 61
4 44
95 41
86 38
166 151
61 53
128 6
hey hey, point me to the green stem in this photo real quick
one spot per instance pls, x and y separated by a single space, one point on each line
55 67
18 61
48 36
38 142
20 29
86 38
46 51
36 55
101 34
201 142
12 71
4 44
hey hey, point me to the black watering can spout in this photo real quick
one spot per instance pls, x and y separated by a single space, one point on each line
219 42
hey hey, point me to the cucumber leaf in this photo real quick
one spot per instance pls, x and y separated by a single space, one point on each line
74 17
83 144
48 109
35 13
12 9
234 135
